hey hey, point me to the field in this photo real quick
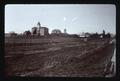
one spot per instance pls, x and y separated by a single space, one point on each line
57 57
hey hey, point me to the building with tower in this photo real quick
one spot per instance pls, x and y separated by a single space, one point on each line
39 30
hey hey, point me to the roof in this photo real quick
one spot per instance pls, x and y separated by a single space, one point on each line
56 31
34 27
43 27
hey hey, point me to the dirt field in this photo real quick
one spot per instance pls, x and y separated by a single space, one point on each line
61 57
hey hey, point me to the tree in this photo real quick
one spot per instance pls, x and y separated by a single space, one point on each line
95 35
108 35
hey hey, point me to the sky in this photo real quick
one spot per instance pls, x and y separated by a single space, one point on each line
75 18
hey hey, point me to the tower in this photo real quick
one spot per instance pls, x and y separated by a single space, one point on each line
103 33
39 26
65 31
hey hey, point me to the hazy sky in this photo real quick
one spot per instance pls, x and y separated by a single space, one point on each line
75 18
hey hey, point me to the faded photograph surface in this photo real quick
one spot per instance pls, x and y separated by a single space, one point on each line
60 40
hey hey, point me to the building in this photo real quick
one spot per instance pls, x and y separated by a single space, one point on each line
39 30
43 31
34 30
27 33
56 31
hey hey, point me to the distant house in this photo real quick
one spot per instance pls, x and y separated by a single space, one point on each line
56 31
